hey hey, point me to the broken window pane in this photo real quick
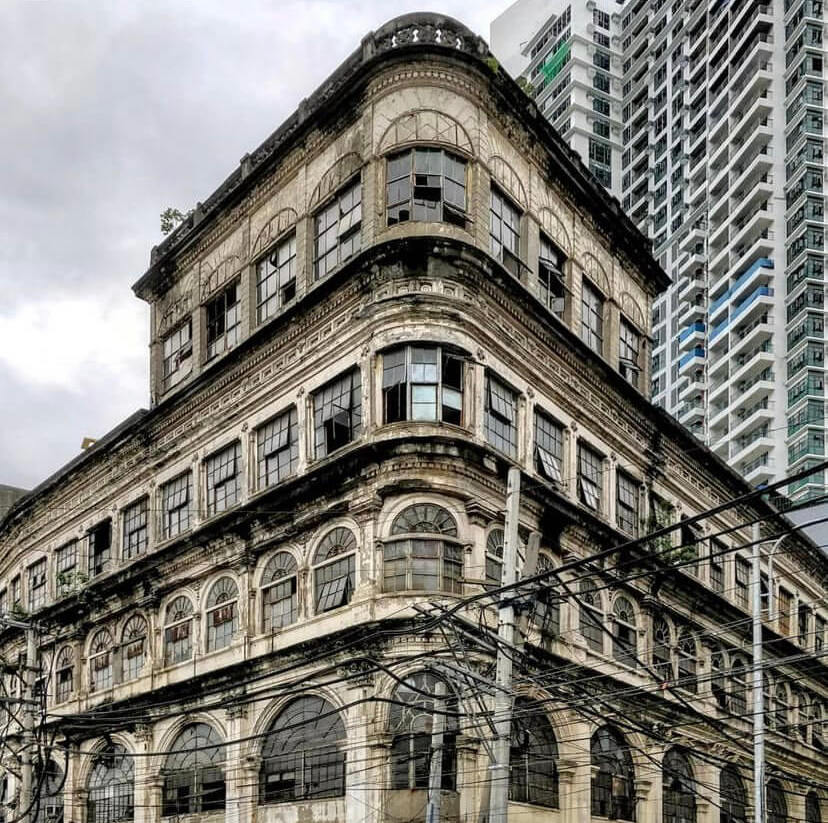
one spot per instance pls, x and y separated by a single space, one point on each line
337 413
223 321
337 229
500 423
504 231
135 537
175 499
177 349
276 279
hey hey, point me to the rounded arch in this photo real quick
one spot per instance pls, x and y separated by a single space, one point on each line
662 646
448 502
194 771
813 813
592 267
281 222
178 629
334 568
415 702
688 656
214 277
222 613
111 785
781 706
678 799
337 175
425 126
592 610
738 685
99 660
504 175
50 807
632 311
777 804
423 552
134 646
625 622
64 674
279 584
495 537
553 226
305 724
533 758
613 775
732 796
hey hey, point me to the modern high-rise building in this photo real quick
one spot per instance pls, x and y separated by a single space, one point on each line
570 53
722 165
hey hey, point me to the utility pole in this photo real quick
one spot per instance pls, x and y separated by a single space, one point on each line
499 781
758 693
27 805
435 770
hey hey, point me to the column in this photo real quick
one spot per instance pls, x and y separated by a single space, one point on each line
147 805
472 771
240 792
647 800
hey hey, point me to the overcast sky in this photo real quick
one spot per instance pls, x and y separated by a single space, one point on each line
111 111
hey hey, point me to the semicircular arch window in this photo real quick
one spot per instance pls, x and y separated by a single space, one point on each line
334 572
133 647
111 786
222 613
280 601
194 772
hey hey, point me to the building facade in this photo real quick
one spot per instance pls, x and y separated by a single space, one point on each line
722 165
267 597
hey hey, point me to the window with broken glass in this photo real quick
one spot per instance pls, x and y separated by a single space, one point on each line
504 231
337 413
422 383
590 477
549 438
223 470
37 584
592 317
277 449
426 184
223 321
66 568
135 537
99 546
334 569
423 552
177 348
500 420
175 502
629 353
276 278
551 288
337 230
627 504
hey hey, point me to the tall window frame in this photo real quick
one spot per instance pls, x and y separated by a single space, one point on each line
551 279
629 352
422 382
277 448
176 349
590 476
423 552
280 592
613 776
178 630
592 316
135 529
504 230
732 797
678 794
549 446
425 183
64 674
99 548
337 228
66 568
37 584
337 413
176 500
533 756
624 632
222 613
134 647
591 615
222 474
222 314
334 569
500 421
101 664
627 503
111 787
276 278
194 779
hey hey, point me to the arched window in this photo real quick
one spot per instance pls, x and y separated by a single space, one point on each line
781 709
678 796
777 805
415 703
804 715
334 569
738 687
767 695
50 806
717 677
662 659
111 786
494 557
424 553
732 799
100 661
819 718
134 647
548 599
303 756
533 758
687 661
178 631
624 640
64 674
613 777
591 615
222 614
194 772
812 810
279 592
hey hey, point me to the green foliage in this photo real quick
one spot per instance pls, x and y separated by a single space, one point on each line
492 63
171 218
527 87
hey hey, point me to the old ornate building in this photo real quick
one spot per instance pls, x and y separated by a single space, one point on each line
253 601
